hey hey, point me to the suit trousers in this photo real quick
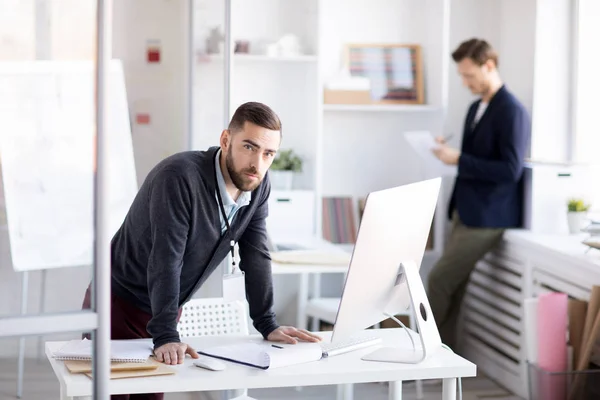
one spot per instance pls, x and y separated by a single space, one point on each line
449 277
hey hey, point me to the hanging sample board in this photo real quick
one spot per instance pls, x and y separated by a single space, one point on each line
47 152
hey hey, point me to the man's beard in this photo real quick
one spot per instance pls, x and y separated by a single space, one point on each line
239 179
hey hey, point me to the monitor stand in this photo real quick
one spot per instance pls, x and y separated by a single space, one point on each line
428 333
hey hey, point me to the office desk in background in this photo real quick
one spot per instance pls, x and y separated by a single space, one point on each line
345 368
306 271
305 291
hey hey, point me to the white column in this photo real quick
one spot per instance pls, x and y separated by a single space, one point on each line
101 288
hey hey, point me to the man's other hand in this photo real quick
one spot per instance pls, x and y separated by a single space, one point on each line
447 155
174 353
440 140
289 334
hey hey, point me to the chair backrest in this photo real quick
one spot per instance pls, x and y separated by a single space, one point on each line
212 316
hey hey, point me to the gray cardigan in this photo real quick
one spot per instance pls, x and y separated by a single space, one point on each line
170 242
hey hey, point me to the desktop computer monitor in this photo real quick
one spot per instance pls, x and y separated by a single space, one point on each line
383 277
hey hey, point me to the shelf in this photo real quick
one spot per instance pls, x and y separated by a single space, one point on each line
303 58
380 107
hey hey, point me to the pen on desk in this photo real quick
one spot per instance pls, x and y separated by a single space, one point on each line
279 347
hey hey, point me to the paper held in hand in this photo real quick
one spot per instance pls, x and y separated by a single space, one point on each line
423 144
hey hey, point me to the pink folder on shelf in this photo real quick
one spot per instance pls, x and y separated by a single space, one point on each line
552 344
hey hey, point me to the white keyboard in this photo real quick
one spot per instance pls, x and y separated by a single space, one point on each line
334 349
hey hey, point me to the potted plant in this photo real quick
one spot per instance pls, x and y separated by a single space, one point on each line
576 214
284 166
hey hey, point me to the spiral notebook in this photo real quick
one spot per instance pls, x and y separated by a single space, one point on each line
266 355
136 350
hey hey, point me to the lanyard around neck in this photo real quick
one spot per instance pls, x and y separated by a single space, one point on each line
224 214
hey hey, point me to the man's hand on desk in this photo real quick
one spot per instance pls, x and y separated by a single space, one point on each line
446 154
289 334
174 353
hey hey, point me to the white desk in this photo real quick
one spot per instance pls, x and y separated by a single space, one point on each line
345 368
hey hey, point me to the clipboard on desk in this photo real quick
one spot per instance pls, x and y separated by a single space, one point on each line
83 366
160 370
266 355
120 370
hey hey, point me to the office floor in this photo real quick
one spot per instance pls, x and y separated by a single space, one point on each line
40 384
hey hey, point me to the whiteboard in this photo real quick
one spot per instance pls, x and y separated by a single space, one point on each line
47 151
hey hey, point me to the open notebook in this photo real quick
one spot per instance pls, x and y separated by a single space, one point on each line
266 355
136 350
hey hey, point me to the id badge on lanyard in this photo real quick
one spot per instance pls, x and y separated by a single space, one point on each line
234 284
234 288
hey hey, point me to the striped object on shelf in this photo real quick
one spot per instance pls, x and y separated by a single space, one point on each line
339 225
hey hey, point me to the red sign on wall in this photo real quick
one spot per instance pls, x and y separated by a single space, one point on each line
153 51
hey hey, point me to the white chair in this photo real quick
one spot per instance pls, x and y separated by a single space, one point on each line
214 316
325 309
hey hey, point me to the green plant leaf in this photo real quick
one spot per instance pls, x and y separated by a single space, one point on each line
577 205
287 160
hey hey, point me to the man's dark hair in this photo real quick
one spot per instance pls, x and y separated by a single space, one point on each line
478 50
256 113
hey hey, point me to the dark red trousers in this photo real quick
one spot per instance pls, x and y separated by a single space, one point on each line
127 322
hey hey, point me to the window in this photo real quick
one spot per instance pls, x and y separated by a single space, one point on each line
587 124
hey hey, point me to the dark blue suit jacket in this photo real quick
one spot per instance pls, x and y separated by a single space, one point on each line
488 191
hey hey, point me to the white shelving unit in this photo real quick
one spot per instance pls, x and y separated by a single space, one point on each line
348 150
379 108
362 146
303 58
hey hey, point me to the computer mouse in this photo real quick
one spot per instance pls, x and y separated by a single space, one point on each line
211 364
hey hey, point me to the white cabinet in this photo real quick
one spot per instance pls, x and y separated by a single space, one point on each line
291 214
549 187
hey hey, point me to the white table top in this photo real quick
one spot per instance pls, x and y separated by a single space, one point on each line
569 247
282 269
310 243
345 368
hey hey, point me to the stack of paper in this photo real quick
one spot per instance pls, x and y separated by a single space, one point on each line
137 350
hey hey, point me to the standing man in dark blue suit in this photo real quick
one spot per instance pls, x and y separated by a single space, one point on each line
487 196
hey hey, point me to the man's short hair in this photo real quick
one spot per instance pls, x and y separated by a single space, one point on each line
478 50
256 113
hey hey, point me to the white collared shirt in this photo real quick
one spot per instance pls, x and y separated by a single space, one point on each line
231 206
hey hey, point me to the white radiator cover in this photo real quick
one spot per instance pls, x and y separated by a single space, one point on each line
524 265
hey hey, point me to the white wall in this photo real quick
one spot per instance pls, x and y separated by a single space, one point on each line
552 81
157 88
508 25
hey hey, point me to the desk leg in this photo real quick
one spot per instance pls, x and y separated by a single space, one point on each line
315 292
395 391
449 389
302 301
345 391
63 392
21 360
